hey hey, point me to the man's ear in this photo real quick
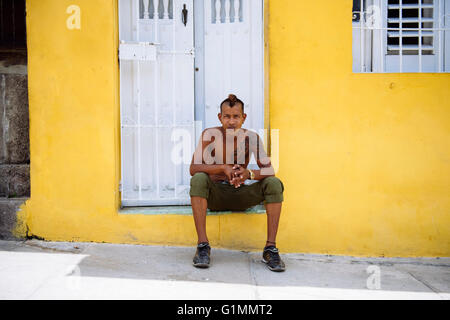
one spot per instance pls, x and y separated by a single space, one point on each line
244 116
220 117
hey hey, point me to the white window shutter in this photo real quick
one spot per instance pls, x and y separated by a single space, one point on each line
445 42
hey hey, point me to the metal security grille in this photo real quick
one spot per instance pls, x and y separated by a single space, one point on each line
410 26
401 36
157 100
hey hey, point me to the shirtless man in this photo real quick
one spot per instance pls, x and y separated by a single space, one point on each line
219 170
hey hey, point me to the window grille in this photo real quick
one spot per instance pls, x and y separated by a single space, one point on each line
409 21
401 36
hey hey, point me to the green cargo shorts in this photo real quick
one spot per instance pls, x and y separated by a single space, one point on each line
223 196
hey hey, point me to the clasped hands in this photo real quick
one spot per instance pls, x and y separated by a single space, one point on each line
236 174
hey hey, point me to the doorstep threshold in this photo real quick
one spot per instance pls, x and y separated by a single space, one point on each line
184 210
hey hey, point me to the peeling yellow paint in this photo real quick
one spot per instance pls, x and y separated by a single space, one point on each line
20 230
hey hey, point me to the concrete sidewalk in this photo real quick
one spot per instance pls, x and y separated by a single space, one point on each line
54 270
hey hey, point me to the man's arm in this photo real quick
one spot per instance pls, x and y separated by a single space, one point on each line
211 169
242 174
262 159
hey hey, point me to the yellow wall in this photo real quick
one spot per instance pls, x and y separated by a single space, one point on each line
365 158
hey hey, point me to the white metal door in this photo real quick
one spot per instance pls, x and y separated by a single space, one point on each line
157 100
233 58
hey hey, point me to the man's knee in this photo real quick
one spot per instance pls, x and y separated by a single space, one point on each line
273 185
273 189
200 179
200 185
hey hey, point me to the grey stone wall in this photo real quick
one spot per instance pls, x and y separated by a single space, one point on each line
14 136
14 140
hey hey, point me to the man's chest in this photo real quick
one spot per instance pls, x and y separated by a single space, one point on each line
229 152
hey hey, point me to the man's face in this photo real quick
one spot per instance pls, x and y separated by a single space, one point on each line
232 117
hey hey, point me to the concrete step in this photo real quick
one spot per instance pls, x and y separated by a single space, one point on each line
8 216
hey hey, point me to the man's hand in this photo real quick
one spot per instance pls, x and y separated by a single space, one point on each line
229 172
236 174
240 174
233 174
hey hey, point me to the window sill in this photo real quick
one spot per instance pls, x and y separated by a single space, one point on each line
184 211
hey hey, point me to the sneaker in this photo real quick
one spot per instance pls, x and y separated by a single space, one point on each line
271 257
201 258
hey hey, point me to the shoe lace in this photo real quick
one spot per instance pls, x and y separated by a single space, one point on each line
203 252
274 256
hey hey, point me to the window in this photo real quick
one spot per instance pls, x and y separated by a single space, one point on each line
401 36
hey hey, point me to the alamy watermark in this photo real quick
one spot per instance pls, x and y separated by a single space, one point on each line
73 22
373 282
239 145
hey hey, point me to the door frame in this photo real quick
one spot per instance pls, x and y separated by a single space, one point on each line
266 91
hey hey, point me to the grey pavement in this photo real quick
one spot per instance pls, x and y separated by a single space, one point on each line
36 269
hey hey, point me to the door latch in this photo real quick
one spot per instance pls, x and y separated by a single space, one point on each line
185 15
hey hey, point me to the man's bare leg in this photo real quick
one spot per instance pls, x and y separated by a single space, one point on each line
273 218
199 206
270 255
